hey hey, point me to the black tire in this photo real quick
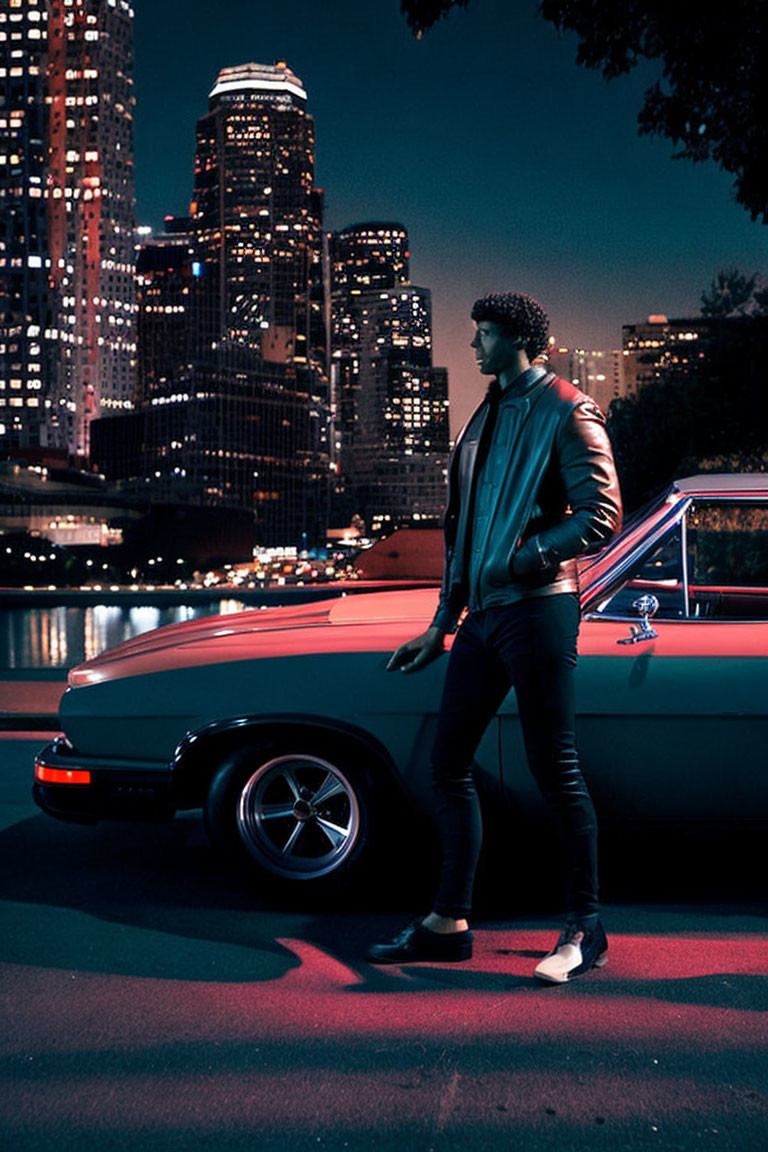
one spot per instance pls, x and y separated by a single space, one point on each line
296 818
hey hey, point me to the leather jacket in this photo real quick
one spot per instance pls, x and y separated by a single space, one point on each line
555 496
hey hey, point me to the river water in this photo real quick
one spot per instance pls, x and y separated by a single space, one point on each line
61 636
38 631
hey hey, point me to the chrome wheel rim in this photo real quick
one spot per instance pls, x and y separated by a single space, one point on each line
299 816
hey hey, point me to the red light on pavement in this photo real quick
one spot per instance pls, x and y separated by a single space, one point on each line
61 775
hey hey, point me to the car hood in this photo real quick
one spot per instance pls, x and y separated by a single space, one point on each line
373 620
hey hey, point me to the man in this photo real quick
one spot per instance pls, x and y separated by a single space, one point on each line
532 486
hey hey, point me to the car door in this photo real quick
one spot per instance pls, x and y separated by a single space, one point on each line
671 707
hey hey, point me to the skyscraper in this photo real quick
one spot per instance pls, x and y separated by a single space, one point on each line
67 345
255 210
666 349
27 344
231 402
368 256
391 404
256 219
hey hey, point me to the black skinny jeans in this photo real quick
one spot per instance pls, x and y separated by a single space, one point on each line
530 645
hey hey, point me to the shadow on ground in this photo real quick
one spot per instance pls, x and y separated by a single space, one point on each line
65 887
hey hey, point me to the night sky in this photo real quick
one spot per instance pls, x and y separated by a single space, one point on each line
511 167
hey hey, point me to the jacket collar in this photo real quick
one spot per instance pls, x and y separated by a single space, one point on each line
523 384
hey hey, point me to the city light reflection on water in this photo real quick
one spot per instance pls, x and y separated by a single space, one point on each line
60 637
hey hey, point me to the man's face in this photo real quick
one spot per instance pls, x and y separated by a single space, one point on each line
495 352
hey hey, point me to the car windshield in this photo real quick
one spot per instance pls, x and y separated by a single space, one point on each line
660 571
611 567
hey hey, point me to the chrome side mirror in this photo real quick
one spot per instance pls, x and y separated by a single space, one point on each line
646 607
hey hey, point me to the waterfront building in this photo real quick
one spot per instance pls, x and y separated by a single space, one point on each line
390 402
67 344
48 501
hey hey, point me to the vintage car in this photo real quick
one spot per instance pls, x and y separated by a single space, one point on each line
285 728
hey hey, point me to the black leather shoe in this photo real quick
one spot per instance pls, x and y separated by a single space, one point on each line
419 943
578 949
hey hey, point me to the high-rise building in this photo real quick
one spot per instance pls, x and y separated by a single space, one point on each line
167 320
28 347
390 402
256 211
363 258
231 403
368 256
67 346
177 320
257 223
660 347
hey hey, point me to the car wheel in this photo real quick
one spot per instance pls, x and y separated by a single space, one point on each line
299 819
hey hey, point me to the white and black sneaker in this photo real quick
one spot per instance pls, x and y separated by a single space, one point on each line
578 950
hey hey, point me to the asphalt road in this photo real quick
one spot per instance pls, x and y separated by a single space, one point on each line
149 1000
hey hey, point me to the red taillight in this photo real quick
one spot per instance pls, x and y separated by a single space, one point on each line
61 775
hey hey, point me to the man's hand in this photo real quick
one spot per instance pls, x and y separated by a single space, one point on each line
416 653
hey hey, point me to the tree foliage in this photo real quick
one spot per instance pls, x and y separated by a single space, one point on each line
732 293
422 14
710 97
729 291
714 416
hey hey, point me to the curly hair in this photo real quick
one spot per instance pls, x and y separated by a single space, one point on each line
517 315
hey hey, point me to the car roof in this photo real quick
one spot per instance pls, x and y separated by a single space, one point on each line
727 483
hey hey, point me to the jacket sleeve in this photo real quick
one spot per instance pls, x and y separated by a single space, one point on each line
453 592
450 606
592 490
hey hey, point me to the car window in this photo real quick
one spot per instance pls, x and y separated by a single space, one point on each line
721 572
728 544
727 549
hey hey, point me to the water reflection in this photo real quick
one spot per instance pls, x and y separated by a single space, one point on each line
45 635
227 607
60 637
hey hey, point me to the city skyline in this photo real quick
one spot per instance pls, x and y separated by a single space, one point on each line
226 378
603 225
